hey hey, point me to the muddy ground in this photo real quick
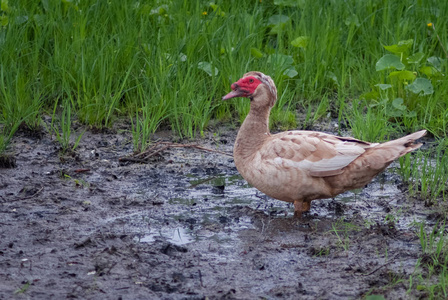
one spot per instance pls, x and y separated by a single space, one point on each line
187 226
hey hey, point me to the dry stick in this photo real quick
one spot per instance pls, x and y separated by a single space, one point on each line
142 157
135 160
152 148
200 278
202 181
211 150
156 152
29 197
176 145
388 263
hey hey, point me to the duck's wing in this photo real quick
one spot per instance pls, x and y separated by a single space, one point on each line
318 153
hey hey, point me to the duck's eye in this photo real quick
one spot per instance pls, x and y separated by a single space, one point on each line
251 80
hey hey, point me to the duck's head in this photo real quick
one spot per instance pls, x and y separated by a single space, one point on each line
256 86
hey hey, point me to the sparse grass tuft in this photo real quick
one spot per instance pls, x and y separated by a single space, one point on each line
433 279
342 230
61 126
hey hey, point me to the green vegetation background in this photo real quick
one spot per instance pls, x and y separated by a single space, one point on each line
167 63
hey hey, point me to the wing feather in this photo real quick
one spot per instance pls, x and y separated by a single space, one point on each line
318 153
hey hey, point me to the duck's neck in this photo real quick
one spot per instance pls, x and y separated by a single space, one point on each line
253 133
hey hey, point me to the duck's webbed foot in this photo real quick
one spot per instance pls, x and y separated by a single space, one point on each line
300 207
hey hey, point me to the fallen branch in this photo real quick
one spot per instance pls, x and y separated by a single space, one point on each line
159 147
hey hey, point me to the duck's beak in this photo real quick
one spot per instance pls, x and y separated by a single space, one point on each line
232 94
237 92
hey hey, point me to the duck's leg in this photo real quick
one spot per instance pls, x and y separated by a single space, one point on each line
306 205
298 208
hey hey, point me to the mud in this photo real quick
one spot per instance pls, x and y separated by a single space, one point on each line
187 226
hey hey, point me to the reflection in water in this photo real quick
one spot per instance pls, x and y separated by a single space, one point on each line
178 236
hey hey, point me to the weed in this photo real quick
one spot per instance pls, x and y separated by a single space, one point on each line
434 279
78 182
6 135
435 242
148 117
344 241
323 251
62 127
427 173
23 289
342 230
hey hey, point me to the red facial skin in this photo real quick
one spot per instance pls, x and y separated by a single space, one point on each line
244 87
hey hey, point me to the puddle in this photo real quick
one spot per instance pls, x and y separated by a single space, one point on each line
178 236
208 201
203 208
149 238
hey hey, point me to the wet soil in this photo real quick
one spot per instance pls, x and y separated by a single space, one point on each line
187 226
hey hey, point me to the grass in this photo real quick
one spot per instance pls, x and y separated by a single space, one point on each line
167 63
342 230
426 172
61 126
433 279
23 289
378 129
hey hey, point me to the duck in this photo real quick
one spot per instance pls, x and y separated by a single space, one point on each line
300 166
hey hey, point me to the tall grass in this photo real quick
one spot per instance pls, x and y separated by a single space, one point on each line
167 63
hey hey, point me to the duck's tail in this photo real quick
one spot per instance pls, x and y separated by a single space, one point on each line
405 144
396 148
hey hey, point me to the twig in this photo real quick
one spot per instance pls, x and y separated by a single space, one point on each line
152 149
200 278
29 197
388 263
156 152
202 181
131 159
156 149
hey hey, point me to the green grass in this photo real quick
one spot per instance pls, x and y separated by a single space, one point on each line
342 230
61 127
167 63
426 172
369 123
433 277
